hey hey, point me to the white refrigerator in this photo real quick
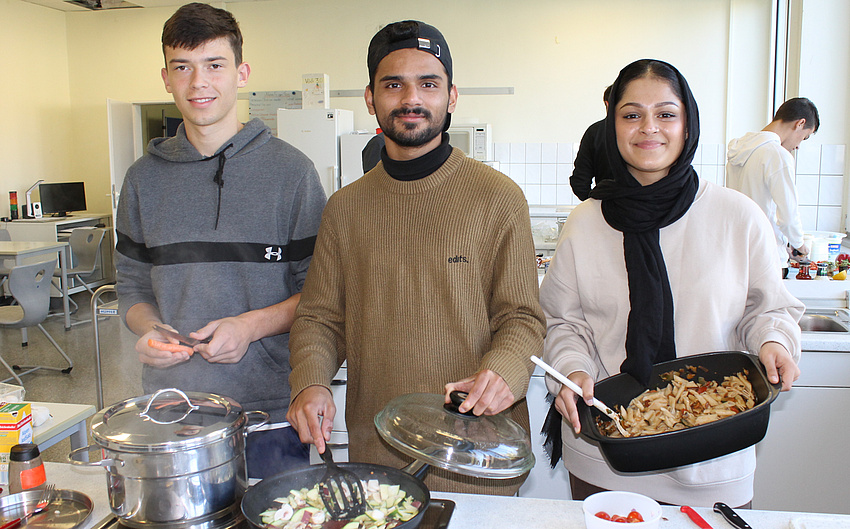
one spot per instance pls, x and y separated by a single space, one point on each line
316 132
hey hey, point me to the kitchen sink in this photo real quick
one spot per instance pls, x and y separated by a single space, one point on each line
826 321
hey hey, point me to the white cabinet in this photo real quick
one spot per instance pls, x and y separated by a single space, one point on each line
543 481
802 461
59 229
339 435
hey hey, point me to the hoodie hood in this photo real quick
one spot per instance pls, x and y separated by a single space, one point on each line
740 149
178 149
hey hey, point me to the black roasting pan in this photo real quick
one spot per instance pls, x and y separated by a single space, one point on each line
691 445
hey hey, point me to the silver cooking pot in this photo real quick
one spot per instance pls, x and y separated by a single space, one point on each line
173 459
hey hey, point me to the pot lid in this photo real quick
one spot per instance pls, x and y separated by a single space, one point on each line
167 421
423 427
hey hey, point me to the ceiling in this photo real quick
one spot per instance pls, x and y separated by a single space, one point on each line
100 5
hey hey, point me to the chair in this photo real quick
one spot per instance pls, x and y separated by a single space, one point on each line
30 286
85 248
5 264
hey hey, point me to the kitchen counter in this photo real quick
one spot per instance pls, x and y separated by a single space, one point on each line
490 512
821 341
818 294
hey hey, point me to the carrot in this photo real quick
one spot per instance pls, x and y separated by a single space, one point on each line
172 347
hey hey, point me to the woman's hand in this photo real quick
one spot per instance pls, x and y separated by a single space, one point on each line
565 401
779 364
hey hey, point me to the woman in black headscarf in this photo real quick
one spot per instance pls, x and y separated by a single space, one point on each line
656 265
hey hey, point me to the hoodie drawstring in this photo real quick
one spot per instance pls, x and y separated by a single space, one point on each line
219 179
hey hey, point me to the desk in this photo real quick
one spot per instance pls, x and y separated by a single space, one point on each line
55 229
20 250
67 420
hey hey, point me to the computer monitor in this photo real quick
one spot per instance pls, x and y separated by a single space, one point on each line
57 199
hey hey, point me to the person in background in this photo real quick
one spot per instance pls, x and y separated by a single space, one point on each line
216 227
649 296
591 160
761 166
424 277
371 153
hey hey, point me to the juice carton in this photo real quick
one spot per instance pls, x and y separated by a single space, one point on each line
15 428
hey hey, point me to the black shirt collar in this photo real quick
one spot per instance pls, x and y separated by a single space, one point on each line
428 163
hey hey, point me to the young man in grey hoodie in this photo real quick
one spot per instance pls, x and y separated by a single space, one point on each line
216 228
761 166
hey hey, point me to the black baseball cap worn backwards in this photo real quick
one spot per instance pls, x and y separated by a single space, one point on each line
408 34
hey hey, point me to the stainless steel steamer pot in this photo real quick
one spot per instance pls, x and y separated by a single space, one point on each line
173 459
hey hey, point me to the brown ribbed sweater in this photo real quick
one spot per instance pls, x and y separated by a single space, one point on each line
417 284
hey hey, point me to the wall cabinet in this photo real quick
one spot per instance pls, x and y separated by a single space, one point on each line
59 229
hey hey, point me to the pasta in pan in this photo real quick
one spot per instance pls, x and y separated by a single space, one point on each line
687 400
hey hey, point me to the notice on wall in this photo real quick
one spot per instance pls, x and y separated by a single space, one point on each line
264 105
315 90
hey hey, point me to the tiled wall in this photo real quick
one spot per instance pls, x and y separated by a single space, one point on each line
820 186
543 172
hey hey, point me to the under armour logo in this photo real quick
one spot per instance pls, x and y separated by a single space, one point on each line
270 253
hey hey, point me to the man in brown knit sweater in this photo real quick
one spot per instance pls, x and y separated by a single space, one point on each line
423 276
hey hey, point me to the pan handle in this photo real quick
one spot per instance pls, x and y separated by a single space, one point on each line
418 469
72 458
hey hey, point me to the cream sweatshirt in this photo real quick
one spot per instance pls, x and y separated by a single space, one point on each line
727 295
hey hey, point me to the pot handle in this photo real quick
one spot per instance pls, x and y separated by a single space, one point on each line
102 463
264 419
145 415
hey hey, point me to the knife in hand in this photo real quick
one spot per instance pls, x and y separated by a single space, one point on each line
182 340
731 516
697 519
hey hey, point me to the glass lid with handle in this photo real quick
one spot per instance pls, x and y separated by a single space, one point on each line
422 426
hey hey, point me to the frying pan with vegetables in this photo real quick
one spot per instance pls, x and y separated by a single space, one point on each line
262 495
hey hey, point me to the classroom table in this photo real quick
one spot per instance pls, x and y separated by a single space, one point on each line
21 250
66 420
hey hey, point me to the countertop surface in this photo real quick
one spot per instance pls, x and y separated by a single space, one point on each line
821 294
490 512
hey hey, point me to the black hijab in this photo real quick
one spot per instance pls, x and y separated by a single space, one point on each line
639 212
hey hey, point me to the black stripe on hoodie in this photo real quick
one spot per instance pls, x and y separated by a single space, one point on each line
216 252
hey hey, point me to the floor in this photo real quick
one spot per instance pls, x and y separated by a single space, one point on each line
119 364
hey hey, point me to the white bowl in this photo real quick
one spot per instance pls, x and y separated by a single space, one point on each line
621 503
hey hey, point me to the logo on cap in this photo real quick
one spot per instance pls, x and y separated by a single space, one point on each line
426 43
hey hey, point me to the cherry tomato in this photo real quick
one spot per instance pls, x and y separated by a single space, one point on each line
604 515
619 519
634 517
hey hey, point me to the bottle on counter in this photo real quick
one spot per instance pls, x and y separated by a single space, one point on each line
26 469
804 271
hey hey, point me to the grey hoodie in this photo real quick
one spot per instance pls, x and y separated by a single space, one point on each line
206 238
